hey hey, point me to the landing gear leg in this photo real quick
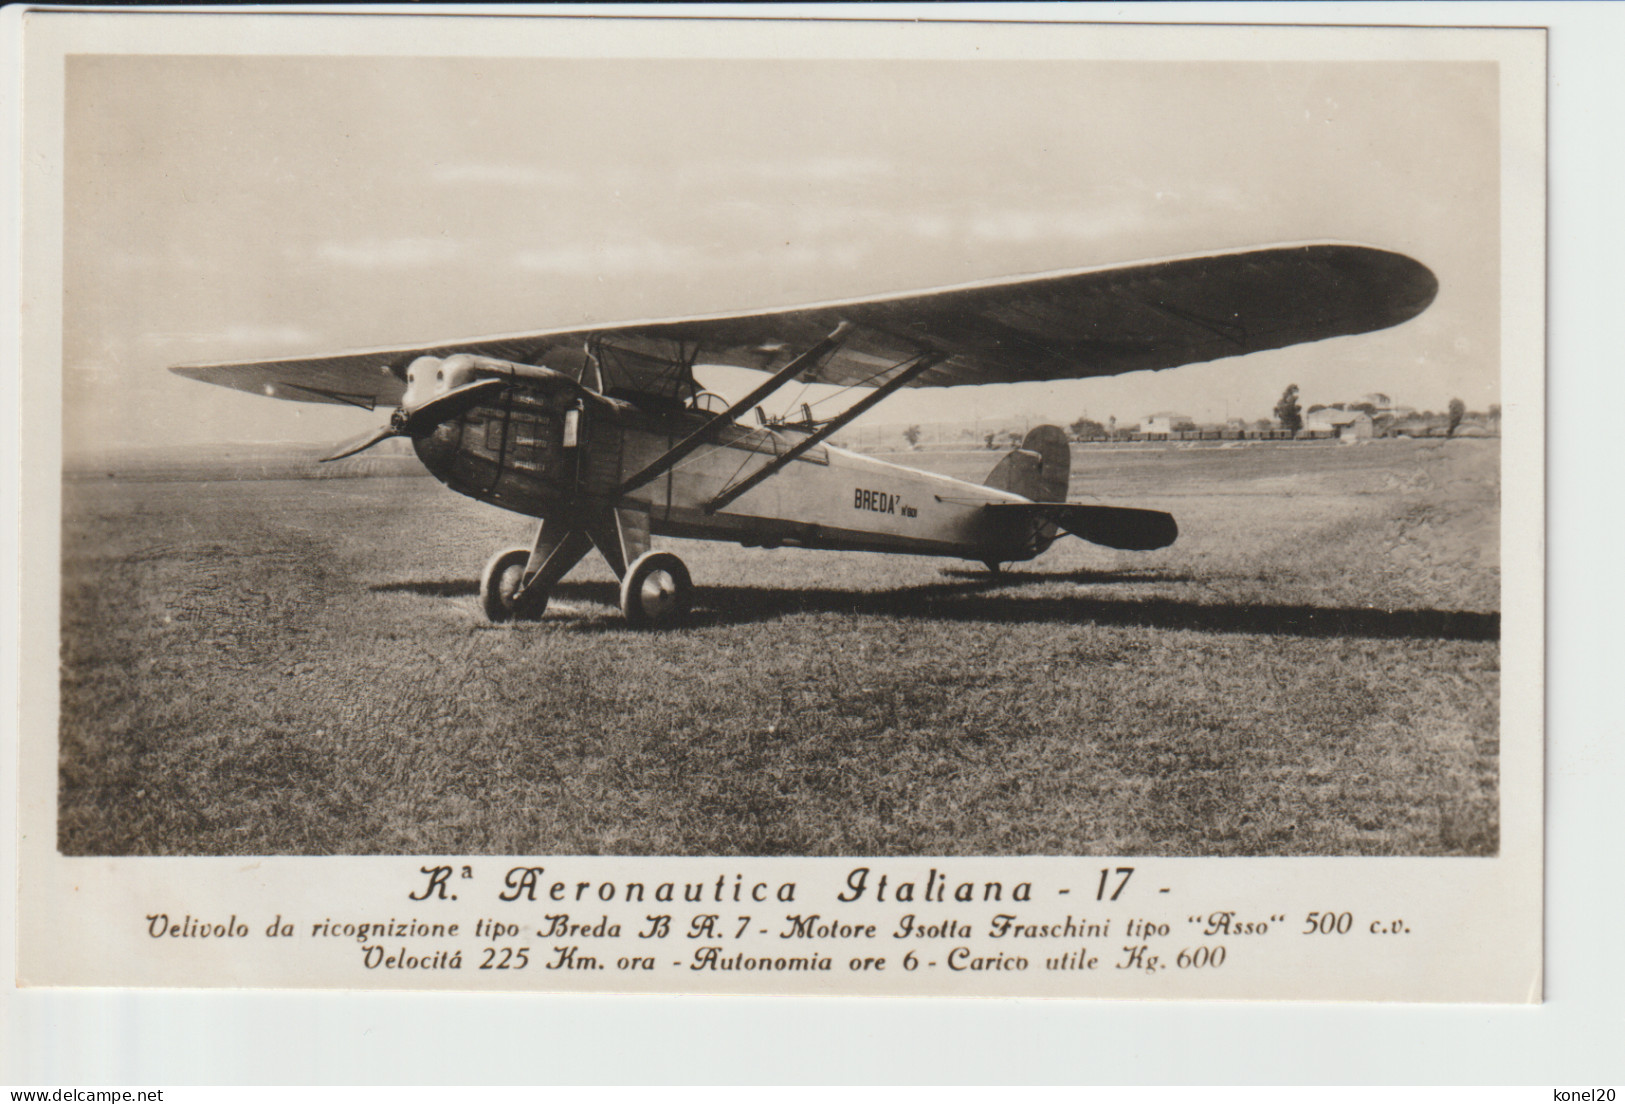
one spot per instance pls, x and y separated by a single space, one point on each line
515 584
994 567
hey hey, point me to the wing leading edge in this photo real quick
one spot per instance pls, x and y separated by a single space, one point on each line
1073 324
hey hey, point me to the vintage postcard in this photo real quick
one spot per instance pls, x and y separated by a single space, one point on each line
746 506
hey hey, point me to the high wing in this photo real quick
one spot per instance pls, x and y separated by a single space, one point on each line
1072 324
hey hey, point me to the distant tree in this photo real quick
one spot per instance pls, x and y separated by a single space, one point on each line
1495 410
1457 409
1085 428
989 439
1287 411
1364 408
912 436
1316 408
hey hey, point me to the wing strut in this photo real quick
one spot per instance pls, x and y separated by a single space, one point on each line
675 455
915 367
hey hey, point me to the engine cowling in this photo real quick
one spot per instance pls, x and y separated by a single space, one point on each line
427 377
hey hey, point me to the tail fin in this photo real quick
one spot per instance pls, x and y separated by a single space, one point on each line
1039 469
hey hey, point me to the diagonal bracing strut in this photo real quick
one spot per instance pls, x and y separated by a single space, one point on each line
706 432
912 369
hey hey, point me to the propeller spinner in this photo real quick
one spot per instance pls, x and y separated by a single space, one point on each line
420 420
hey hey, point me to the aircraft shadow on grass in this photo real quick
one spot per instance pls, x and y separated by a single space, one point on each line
969 599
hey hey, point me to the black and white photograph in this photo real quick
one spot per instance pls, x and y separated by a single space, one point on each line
854 458
1120 554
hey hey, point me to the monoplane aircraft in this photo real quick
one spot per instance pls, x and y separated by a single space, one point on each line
603 434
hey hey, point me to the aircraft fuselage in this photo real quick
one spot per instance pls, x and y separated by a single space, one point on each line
545 447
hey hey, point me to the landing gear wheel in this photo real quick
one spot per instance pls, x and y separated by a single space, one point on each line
656 591
500 581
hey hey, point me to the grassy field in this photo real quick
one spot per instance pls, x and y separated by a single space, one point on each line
282 666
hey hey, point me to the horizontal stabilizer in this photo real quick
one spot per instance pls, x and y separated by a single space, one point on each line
1113 526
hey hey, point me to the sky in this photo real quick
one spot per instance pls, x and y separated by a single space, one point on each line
228 208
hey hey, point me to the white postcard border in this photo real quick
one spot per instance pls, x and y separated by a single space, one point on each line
48 876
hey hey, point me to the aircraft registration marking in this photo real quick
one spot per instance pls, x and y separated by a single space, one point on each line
881 502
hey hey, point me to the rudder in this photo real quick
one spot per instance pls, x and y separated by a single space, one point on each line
1040 469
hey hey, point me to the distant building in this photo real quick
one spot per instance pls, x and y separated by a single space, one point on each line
1349 425
1168 422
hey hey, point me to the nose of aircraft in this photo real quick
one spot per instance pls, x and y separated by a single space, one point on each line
436 391
428 378
425 378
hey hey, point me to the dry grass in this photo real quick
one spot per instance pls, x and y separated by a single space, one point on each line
281 666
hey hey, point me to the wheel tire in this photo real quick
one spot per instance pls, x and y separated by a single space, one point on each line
500 580
656 591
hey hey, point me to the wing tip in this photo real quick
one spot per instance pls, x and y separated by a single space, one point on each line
1424 289
1408 286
